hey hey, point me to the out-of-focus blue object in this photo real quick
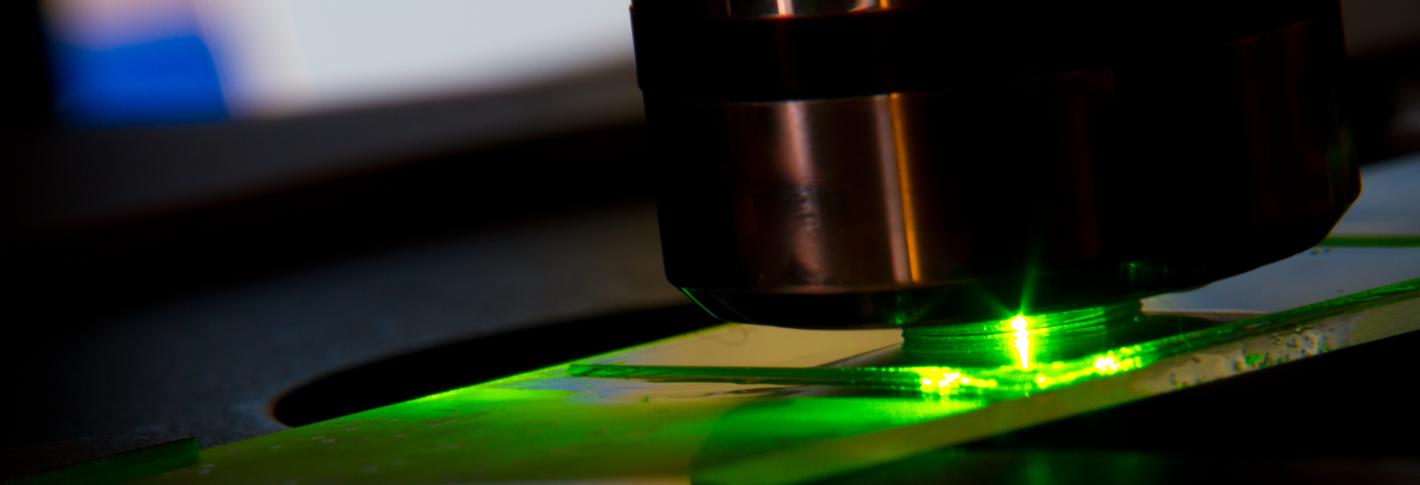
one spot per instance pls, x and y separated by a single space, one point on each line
165 61
161 80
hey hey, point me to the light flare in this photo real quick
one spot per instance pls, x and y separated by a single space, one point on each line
1021 325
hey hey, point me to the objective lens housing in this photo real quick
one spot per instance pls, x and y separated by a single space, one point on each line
862 163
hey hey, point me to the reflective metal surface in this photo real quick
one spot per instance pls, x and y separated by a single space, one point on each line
1083 188
890 191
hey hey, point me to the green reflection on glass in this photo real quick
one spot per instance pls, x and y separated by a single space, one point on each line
989 360
599 430
1001 382
1023 340
1023 371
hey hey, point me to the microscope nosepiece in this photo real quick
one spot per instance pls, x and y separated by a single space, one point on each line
863 163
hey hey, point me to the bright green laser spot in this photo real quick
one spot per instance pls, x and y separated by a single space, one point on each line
1032 347
1021 326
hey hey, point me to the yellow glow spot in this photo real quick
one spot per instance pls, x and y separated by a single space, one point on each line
1020 324
1022 344
1107 365
943 381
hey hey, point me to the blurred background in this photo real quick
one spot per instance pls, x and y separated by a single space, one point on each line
159 131
186 125
204 203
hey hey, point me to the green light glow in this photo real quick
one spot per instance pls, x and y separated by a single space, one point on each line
1010 358
1024 340
1021 326
1021 374
1001 382
750 422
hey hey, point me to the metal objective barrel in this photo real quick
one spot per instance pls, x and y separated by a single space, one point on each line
860 163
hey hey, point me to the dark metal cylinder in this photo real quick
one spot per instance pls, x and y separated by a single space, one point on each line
855 163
